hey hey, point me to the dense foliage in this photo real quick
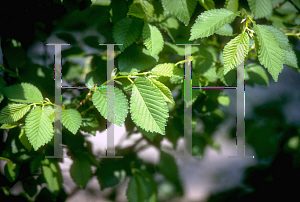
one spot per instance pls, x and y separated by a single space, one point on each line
149 82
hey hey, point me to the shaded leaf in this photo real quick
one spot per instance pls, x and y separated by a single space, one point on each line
24 92
127 31
232 5
80 171
135 59
141 187
207 4
52 175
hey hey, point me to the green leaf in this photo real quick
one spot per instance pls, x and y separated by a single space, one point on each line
181 9
232 5
89 123
136 10
9 125
210 21
270 54
24 92
111 173
207 4
235 52
11 171
1 97
153 39
50 111
71 119
141 9
168 167
224 100
297 3
283 41
38 128
178 50
52 175
141 187
205 62
149 135
30 186
287 8
276 2
280 37
290 58
120 105
80 171
148 107
13 112
225 30
135 59
167 69
24 140
127 31
260 8
36 163
164 90
257 74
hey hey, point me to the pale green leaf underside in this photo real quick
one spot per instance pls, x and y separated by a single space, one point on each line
225 30
52 175
153 39
120 105
235 52
24 92
127 31
167 69
207 4
260 8
210 21
164 90
38 128
71 119
13 112
232 5
283 41
270 54
148 107
80 171
181 9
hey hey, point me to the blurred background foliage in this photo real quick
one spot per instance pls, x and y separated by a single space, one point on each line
83 23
